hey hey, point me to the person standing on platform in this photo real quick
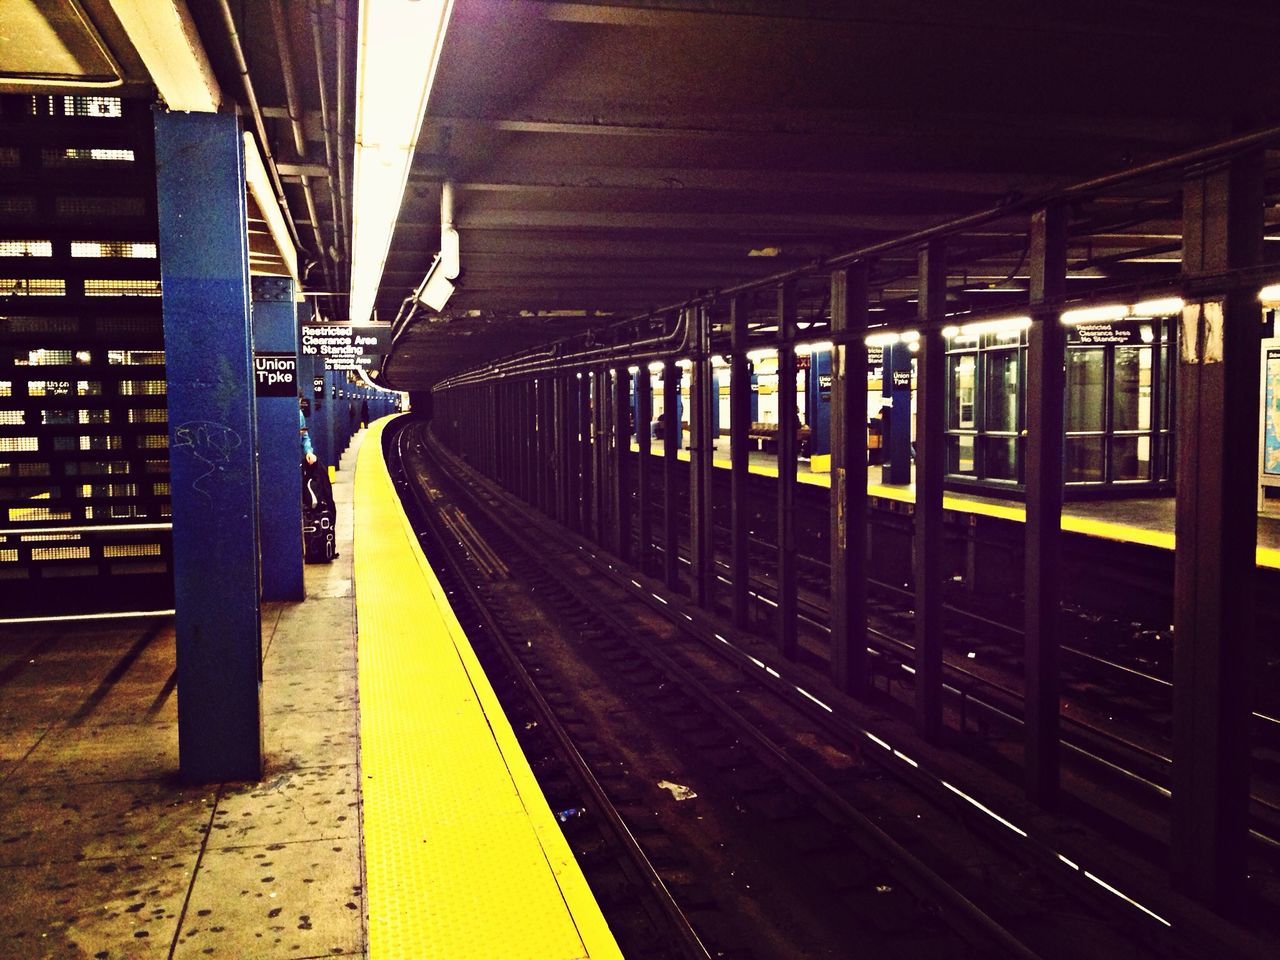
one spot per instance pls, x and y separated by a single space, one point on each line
308 451
364 413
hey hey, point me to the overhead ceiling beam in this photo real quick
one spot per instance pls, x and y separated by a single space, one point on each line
1132 18
165 37
829 125
526 177
747 224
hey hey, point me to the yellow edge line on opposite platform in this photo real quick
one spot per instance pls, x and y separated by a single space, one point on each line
1268 557
433 825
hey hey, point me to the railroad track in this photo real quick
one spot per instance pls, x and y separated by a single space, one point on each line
791 783
1130 749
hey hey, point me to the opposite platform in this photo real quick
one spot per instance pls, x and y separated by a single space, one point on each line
1147 521
463 857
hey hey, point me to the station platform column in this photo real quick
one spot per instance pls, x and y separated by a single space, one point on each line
212 438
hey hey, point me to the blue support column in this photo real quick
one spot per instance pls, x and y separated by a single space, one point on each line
275 331
337 418
209 366
819 402
317 425
716 377
897 386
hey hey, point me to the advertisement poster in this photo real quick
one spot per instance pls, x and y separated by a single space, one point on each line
1271 413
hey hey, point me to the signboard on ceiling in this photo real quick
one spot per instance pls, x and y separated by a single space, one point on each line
275 374
1104 333
346 346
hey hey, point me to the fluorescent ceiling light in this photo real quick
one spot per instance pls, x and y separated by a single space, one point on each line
656 366
978 327
399 50
817 346
1270 294
882 339
1103 314
1164 307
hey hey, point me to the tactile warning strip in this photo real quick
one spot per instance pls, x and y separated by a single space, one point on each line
463 856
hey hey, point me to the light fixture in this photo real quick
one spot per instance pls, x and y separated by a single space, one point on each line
755 356
816 346
656 366
1002 325
1103 314
1270 295
951 332
882 339
435 289
1164 307
909 336
399 50
633 370
718 361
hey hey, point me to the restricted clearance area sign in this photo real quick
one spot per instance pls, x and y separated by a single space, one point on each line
346 346
275 374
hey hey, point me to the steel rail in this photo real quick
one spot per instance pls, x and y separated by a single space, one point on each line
690 943
975 923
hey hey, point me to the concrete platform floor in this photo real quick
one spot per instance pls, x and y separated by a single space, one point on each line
103 854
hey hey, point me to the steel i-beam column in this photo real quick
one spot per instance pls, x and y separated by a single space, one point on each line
930 440
670 465
560 397
644 444
739 425
550 447
600 403
573 394
621 457
500 433
1046 386
849 292
701 448
788 429
530 446
586 484
204 264
538 439
1216 529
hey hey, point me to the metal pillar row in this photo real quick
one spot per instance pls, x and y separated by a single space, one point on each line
563 442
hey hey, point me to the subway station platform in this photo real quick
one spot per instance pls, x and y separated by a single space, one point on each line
449 850
1145 520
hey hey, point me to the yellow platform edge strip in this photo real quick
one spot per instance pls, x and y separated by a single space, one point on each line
1268 557
464 857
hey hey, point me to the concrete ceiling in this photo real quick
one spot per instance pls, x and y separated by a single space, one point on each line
612 157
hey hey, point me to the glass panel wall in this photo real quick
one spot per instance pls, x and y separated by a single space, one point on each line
1118 405
1118 402
985 405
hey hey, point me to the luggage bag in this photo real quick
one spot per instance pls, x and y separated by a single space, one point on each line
318 515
